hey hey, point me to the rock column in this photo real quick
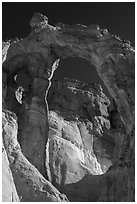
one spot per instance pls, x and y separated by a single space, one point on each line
33 123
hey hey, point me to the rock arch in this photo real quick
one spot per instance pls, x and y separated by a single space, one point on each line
112 57
41 51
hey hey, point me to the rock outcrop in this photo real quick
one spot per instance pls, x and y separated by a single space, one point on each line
79 112
30 184
78 142
9 193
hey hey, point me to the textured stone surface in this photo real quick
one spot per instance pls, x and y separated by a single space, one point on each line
36 57
77 146
30 184
84 114
117 185
9 193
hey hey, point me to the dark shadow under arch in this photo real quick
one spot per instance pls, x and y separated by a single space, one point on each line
80 69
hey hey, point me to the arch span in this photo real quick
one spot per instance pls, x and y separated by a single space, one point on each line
113 58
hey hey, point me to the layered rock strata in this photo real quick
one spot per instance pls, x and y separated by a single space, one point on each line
37 57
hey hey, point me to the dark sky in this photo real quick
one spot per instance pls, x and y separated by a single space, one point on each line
118 18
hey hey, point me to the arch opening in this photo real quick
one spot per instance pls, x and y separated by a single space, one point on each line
82 70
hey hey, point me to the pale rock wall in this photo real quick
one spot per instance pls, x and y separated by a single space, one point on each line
30 184
77 145
9 192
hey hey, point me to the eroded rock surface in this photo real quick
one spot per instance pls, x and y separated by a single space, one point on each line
30 184
77 145
43 148
9 193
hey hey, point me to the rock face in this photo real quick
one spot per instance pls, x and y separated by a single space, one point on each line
77 145
73 142
79 115
9 193
31 185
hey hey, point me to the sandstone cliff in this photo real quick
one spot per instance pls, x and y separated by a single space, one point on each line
63 143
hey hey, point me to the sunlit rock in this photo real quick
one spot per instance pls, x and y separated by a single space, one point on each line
30 184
